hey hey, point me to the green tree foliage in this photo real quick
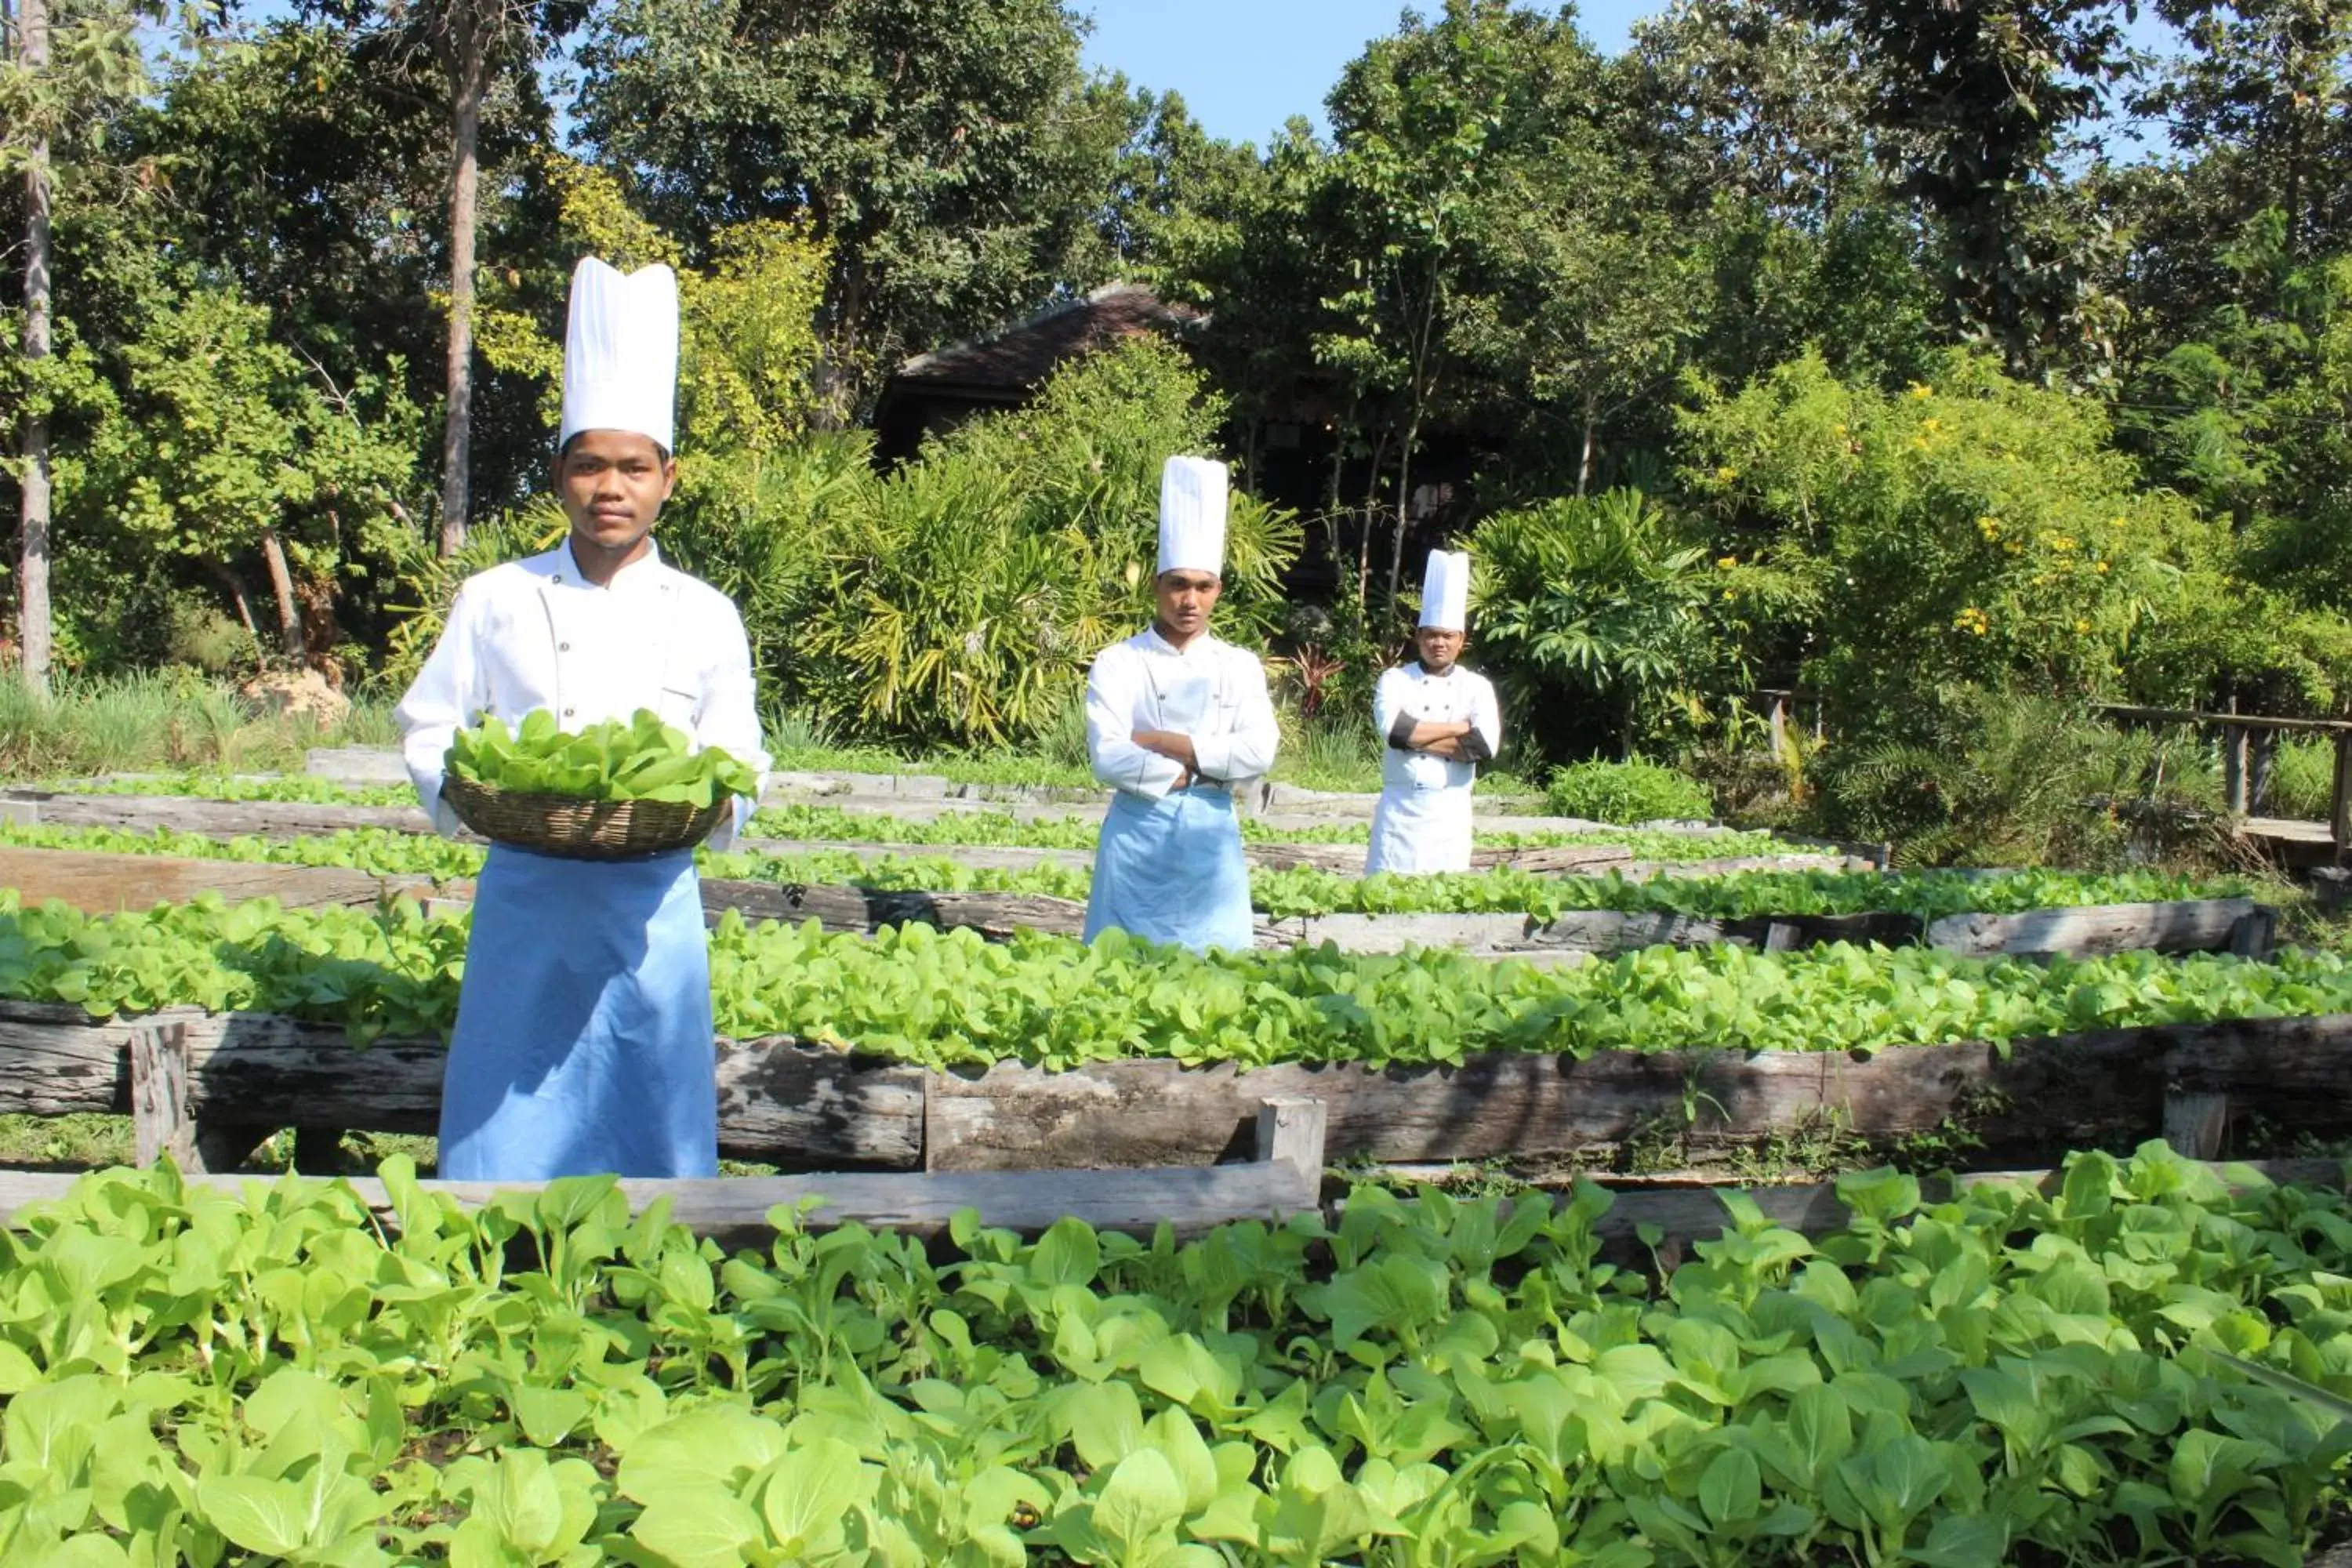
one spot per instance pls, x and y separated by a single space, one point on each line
958 600
1434 130
964 596
950 155
1987 94
1970 530
2263 101
209 442
1611 622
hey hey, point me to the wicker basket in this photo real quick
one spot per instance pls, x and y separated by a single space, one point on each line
579 830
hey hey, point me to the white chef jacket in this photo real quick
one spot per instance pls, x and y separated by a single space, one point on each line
536 634
1423 820
1213 691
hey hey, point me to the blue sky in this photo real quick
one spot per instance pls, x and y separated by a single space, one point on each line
1245 66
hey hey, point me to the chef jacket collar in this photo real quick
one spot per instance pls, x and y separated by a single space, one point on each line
568 572
1155 643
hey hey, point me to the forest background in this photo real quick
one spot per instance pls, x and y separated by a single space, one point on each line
1823 345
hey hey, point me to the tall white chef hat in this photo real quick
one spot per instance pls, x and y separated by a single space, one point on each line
620 353
1445 591
1192 516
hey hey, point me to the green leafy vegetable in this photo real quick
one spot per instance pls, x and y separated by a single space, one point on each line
642 759
2008 1377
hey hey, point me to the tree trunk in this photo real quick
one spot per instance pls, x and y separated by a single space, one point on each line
1403 509
281 584
469 79
838 381
1584 458
237 598
1371 510
32 564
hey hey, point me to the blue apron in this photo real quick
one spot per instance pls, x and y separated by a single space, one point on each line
583 1038
1171 870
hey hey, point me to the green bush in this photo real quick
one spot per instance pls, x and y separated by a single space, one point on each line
2302 781
202 635
1635 790
1612 623
1979 530
2003 780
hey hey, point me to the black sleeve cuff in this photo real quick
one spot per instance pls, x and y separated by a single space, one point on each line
1400 733
1474 748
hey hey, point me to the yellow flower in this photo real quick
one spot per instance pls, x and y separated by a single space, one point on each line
1728 562
1931 424
1840 428
1989 527
2014 548
2083 627
1729 596
1972 621
2100 567
2062 544
1725 476
1922 392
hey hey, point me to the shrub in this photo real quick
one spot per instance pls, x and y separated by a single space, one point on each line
1979 530
209 638
1611 622
1635 790
2003 780
962 597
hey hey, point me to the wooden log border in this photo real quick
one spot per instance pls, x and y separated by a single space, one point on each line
1283 1177
734 1210
805 1108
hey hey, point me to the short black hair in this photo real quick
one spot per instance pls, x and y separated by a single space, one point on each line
565 451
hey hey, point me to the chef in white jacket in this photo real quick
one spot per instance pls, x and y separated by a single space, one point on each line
1438 722
1177 721
583 1040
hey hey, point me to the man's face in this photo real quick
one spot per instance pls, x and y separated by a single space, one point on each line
1185 599
1439 647
612 484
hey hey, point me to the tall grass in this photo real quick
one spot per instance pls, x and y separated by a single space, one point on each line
162 720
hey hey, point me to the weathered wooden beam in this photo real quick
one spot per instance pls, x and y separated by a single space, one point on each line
2181 925
2255 935
2065 1092
2246 721
734 1209
248 1074
994 915
2339 810
105 882
1580 931
160 1122
1290 1132
214 818
819 1108
2194 1122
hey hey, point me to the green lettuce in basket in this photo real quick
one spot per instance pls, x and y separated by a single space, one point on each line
644 759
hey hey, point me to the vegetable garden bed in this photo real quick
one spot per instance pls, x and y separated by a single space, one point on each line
807 1107
2013 1375
104 870
298 819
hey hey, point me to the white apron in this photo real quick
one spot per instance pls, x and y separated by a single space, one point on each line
1423 823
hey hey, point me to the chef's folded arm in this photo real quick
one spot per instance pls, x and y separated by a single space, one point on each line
1112 692
1245 751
